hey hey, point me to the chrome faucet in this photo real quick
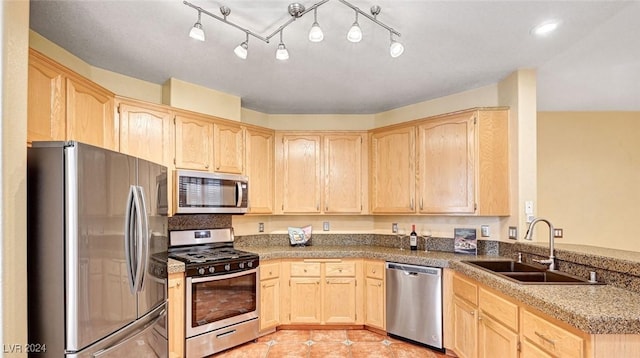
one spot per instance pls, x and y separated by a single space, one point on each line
551 260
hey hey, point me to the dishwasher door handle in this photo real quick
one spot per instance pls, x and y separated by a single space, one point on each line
409 273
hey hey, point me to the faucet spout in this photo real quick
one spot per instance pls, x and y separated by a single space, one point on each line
551 260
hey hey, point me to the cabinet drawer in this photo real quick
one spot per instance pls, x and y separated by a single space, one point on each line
340 269
305 269
374 269
504 311
465 289
268 271
551 338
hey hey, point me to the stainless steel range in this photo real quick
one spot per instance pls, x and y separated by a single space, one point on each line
221 304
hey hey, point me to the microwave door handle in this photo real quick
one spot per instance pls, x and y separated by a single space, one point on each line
129 225
239 193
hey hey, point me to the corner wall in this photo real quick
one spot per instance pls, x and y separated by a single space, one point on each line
589 176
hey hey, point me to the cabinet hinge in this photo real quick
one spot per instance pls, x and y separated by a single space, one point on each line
518 346
174 161
119 109
475 120
174 120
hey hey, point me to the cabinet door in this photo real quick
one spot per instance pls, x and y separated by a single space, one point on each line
305 306
446 160
465 340
269 303
529 350
495 340
46 100
193 143
228 148
259 168
90 114
392 188
176 315
300 184
146 132
374 303
342 173
340 300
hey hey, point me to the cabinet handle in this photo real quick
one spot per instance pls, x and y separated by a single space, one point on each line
206 166
411 204
218 167
421 202
318 207
327 282
178 284
373 271
339 270
379 284
270 273
305 270
544 338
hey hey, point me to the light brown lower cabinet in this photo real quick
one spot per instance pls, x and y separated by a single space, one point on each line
375 294
485 323
269 296
175 315
322 291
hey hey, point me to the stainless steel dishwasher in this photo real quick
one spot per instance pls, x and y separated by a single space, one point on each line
414 303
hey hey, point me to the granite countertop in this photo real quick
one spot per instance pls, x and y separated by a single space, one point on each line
595 309
175 266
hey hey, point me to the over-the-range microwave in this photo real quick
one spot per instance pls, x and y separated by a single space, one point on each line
210 193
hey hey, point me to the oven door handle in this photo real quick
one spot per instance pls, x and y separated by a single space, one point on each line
223 276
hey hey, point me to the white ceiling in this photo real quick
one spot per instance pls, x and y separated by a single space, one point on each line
592 62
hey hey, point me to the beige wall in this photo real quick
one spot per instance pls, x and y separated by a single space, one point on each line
114 82
14 19
518 91
486 96
589 176
321 121
185 95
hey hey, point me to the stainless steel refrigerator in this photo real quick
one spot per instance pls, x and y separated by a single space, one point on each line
96 252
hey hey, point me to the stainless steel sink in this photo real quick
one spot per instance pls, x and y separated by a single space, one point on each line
528 274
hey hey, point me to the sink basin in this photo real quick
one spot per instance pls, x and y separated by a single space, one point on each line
528 274
506 266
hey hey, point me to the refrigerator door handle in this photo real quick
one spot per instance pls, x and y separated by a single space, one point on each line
144 238
139 239
130 249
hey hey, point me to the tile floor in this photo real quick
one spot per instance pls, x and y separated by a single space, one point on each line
328 344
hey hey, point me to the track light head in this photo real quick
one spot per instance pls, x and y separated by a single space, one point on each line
315 34
196 31
282 53
355 33
396 48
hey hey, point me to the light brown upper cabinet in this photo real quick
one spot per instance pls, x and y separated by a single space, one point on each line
463 163
46 110
228 148
344 174
393 178
298 176
194 142
146 131
65 106
320 172
259 168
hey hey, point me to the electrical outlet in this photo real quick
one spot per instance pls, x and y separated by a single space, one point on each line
394 228
513 232
325 226
260 227
557 233
484 231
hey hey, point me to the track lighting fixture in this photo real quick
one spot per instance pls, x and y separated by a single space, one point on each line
355 33
196 31
296 10
243 49
315 34
395 49
282 53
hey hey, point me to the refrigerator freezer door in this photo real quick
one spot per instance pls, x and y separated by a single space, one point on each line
100 300
153 290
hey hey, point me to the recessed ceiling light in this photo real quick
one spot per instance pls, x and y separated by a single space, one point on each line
545 28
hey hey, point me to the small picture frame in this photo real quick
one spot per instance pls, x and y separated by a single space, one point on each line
464 241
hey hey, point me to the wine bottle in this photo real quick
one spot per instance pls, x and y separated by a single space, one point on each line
413 238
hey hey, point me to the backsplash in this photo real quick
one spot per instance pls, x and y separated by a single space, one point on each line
193 222
485 247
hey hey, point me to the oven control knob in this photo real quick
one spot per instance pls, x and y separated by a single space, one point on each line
250 264
212 269
241 265
227 267
201 271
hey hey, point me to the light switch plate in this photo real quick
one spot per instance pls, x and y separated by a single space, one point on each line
484 231
394 228
325 226
513 232
260 227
